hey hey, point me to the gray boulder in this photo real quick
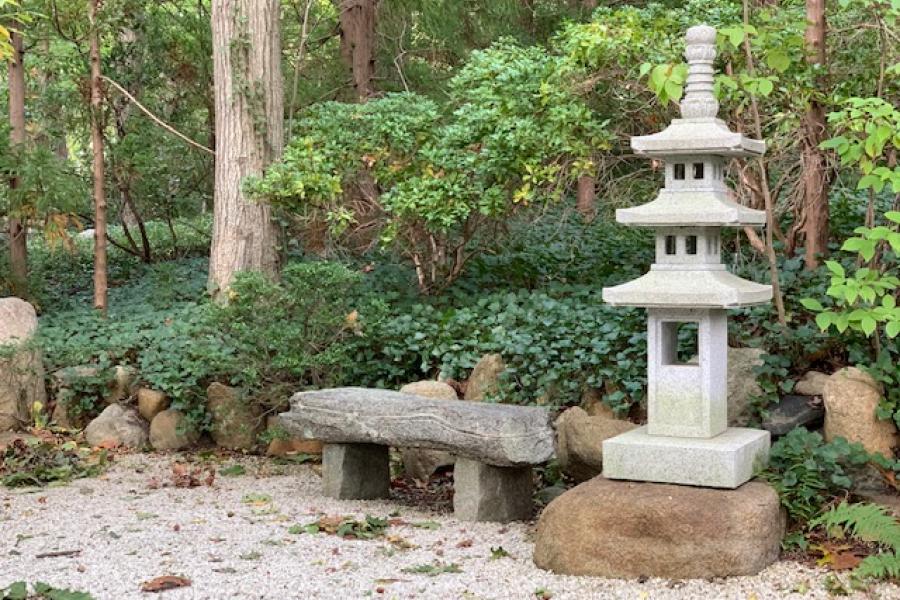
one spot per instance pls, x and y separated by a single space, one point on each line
21 364
117 425
169 431
742 385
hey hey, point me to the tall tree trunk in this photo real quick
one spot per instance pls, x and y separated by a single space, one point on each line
357 21
249 135
18 230
100 283
815 176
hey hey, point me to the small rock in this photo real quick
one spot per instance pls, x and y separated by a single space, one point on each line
579 441
625 529
170 431
421 463
430 389
117 425
151 403
485 377
742 385
812 384
794 411
851 397
236 423
21 371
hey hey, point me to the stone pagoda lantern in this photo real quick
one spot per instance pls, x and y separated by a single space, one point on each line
687 439
675 499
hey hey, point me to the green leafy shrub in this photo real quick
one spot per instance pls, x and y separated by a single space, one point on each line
554 345
294 333
808 473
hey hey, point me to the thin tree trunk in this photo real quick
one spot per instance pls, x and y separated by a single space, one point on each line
18 230
586 197
100 283
249 135
815 178
357 20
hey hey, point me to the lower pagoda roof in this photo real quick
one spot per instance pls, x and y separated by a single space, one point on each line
708 287
691 208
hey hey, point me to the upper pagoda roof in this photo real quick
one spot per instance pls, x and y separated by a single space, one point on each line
698 131
695 137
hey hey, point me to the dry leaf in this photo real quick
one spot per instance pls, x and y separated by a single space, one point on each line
166 582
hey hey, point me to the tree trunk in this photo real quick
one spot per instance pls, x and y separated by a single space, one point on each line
357 21
18 230
586 197
249 135
100 283
815 177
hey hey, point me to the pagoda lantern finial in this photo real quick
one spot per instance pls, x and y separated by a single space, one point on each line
699 102
687 438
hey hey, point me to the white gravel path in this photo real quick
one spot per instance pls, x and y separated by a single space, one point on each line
129 531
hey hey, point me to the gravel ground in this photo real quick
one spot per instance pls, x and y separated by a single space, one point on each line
232 541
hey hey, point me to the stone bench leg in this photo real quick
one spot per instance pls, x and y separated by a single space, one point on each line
487 493
356 471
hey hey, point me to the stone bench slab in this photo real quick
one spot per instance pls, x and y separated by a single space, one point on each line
494 434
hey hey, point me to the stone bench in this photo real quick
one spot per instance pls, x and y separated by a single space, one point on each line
496 445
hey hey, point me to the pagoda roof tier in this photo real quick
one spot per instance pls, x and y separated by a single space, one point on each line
701 288
691 208
696 136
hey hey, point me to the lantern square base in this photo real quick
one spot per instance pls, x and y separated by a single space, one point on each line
724 461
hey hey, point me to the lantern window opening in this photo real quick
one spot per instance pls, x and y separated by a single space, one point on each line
698 170
712 245
680 343
671 247
690 244
678 171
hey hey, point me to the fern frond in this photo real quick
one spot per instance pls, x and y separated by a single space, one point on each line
867 522
879 566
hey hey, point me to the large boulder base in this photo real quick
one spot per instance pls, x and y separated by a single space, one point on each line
421 463
22 368
236 424
851 397
579 441
625 529
117 425
499 435
485 377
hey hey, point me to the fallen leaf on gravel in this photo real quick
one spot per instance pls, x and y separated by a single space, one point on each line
400 542
426 525
166 582
183 477
464 544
